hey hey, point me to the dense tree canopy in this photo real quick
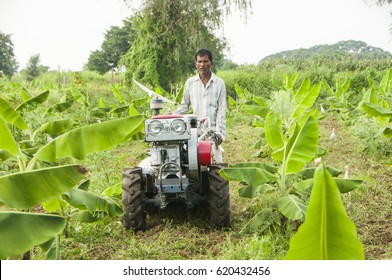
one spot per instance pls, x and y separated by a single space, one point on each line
116 43
8 64
169 33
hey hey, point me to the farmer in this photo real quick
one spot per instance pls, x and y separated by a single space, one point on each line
206 93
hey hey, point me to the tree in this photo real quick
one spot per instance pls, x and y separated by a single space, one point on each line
116 43
8 64
168 34
34 68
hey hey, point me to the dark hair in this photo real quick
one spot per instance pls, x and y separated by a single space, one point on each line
203 52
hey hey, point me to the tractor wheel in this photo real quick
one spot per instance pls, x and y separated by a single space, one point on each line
218 198
133 199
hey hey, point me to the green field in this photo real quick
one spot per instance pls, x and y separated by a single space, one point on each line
362 143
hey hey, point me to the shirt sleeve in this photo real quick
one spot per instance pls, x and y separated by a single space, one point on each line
220 127
183 108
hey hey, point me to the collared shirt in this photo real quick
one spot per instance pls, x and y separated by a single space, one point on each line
208 101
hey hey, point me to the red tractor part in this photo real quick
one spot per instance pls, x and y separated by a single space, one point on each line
167 116
204 154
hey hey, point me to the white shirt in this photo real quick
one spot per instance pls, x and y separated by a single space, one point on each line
208 101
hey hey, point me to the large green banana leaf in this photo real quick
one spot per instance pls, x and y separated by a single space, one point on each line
327 233
20 231
10 115
27 189
302 91
7 141
301 147
32 102
306 101
274 136
85 140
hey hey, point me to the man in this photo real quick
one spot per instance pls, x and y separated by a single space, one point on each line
206 93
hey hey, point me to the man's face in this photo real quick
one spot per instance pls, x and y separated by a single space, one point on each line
203 64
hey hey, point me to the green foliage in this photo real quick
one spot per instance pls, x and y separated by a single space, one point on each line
34 68
53 187
338 51
291 131
327 233
168 35
28 189
8 64
22 231
117 41
80 142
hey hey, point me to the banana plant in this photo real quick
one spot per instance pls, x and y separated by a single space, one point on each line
290 128
37 184
327 233
376 104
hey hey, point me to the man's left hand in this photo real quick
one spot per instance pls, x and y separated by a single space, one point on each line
218 139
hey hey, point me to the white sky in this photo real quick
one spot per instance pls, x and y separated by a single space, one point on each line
64 32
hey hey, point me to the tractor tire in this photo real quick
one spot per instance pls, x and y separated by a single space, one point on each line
218 198
133 199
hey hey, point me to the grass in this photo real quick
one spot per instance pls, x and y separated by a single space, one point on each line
173 234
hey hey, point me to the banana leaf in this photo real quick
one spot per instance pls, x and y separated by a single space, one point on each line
11 116
307 101
257 110
375 110
113 190
34 101
327 233
80 142
52 248
61 107
117 93
87 217
20 231
291 206
274 136
262 220
255 178
27 189
344 185
56 127
7 141
93 203
249 175
301 147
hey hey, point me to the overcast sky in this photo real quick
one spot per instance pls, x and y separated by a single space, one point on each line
65 32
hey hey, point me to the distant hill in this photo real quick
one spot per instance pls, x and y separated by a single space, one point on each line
340 50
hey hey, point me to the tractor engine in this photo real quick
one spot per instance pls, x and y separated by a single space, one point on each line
176 159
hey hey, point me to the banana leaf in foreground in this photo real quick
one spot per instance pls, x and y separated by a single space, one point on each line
20 231
27 189
327 233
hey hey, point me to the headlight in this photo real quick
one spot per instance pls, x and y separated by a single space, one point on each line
155 127
178 126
